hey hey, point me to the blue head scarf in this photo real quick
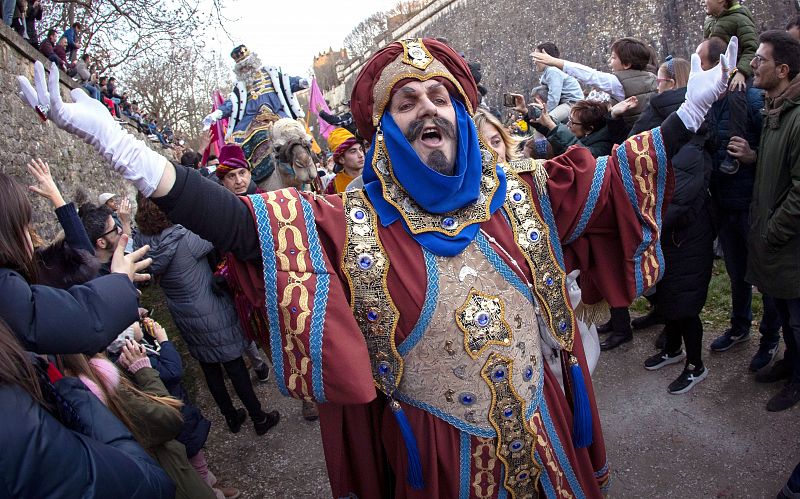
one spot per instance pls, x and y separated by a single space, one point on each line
431 190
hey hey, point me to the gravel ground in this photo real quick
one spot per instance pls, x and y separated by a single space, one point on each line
715 441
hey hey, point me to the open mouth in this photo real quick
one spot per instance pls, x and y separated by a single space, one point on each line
431 136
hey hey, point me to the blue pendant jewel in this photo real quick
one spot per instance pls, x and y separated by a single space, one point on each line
372 316
384 368
482 319
516 445
499 374
365 261
358 215
467 398
527 375
448 223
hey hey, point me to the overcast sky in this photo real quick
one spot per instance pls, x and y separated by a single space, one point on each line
290 33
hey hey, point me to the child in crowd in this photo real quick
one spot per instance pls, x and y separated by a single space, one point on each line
562 90
632 65
727 18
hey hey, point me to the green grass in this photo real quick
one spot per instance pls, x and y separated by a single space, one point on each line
716 312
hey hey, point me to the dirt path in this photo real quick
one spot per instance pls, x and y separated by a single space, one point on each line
716 441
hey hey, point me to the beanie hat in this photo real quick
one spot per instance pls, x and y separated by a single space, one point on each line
231 157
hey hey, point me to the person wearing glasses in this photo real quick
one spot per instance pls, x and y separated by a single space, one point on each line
590 124
103 231
774 238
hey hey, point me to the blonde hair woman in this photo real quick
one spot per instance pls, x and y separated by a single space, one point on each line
495 135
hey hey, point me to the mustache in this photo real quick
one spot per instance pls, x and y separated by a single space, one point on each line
415 128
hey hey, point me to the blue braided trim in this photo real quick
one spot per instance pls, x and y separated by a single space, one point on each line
502 492
501 267
661 159
320 300
452 420
591 202
465 465
429 306
602 471
555 241
547 485
627 181
563 460
270 287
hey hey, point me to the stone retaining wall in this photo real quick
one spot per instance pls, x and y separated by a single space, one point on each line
75 165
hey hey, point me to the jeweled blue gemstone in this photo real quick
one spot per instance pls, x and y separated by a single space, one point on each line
294 310
372 316
482 319
528 374
467 398
448 223
508 412
384 368
365 262
562 326
522 476
549 281
515 445
517 197
499 373
359 214
534 235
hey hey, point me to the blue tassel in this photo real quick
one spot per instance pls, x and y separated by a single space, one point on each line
582 412
414 477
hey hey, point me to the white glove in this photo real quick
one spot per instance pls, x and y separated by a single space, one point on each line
211 119
705 87
89 119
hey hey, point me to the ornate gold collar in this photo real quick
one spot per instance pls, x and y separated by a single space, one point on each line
420 221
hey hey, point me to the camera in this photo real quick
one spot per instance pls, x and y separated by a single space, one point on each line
534 113
508 100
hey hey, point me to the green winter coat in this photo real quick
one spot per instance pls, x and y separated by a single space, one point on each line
773 261
161 425
735 21
599 143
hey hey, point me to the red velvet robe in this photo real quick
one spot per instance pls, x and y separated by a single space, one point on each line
607 214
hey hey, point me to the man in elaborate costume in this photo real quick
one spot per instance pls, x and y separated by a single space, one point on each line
428 312
261 96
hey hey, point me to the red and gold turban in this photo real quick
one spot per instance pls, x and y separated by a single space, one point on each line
413 59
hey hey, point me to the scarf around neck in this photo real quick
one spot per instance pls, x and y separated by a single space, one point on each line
434 192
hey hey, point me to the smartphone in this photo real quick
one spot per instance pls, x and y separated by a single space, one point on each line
508 100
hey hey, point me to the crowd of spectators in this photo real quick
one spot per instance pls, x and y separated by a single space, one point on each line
65 51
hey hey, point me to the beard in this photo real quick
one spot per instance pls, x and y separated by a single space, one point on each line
436 160
248 68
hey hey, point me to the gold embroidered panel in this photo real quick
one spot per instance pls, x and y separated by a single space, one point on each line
516 438
441 376
482 320
534 239
417 219
366 266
